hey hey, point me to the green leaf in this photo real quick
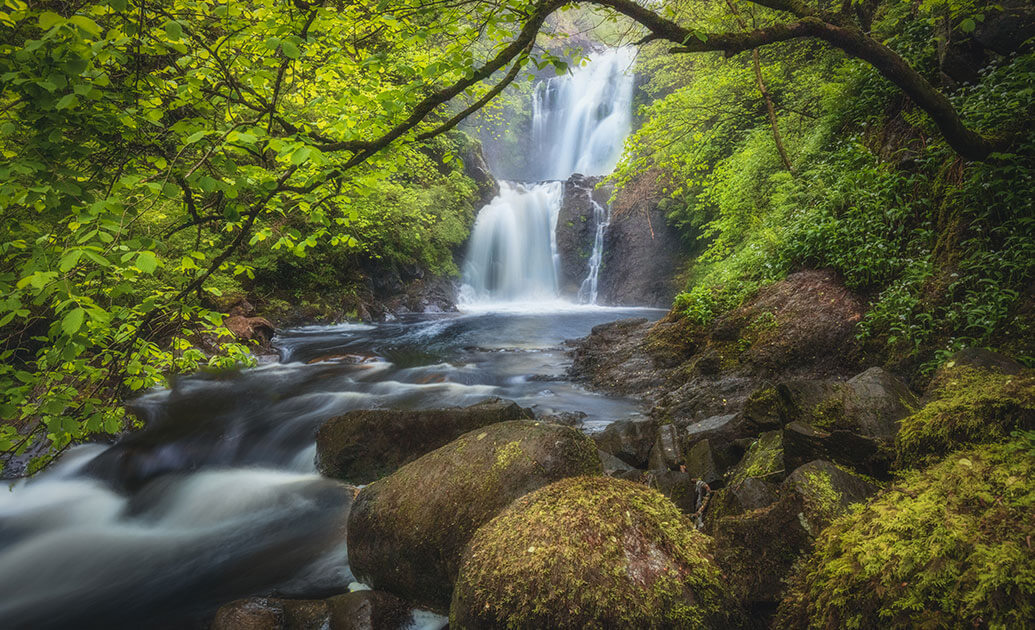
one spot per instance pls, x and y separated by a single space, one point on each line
69 260
289 49
73 321
173 30
300 155
68 101
147 261
49 19
968 25
86 24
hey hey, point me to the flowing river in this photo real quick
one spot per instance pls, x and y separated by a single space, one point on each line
218 497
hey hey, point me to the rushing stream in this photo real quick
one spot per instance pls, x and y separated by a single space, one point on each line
218 497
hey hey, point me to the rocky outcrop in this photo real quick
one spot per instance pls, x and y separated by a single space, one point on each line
364 445
406 532
576 231
590 553
801 327
642 253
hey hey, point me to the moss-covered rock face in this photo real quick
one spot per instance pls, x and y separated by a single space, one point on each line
406 532
949 547
590 552
968 405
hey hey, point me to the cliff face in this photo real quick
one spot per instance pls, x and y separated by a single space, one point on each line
642 253
576 231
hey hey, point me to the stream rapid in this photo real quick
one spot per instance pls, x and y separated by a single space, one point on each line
217 498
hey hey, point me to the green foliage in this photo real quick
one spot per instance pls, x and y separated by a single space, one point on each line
946 547
945 250
145 149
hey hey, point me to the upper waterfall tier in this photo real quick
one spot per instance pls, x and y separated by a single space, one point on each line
580 120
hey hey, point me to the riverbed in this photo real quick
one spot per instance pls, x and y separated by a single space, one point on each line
218 498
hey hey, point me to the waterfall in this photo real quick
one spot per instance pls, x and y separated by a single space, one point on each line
588 290
580 120
512 254
579 125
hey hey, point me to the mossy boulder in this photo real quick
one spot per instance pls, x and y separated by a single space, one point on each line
590 552
756 549
367 444
967 406
763 460
948 547
406 532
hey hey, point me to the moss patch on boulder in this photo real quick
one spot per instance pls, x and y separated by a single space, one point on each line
967 406
590 552
948 547
406 532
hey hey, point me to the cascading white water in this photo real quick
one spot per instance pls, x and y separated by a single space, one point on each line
588 290
580 120
579 125
512 255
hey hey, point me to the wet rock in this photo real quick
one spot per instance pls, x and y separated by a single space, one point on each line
642 251
628 440
667 453
368 610
364 445
576 232
566 418
257 613
611 358
679 487
803 443
258 330
612 465
262 613
757 548
870 404
703 463
727 434
559 558
750 494
477 169
406 532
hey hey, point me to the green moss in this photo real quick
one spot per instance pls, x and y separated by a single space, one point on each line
764 459
970 406
590 552
948 547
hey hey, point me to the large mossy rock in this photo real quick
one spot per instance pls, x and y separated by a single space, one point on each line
949 547
406 532
365 445
968 403
590 552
